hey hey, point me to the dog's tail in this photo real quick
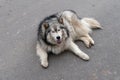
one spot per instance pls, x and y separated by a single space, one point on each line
94 24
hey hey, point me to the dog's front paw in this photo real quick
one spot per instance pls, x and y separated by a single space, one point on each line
44 64
92 42
85 57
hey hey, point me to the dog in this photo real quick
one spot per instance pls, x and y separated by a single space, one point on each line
58 32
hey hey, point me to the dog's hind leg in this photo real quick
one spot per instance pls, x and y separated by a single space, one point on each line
75 49
87 40
43 55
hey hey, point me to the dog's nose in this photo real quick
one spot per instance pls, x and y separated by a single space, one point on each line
58 37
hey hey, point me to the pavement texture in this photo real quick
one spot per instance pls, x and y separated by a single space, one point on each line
19 20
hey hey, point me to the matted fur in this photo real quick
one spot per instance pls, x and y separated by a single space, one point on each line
58 32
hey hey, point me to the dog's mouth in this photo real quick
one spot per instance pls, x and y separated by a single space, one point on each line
59 41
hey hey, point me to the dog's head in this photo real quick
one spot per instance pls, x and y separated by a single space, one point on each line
54 32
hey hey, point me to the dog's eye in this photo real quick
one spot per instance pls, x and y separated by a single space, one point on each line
58 29
48 31
53 31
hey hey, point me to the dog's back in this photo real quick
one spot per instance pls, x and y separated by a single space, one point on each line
78 26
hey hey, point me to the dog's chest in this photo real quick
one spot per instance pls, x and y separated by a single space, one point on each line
56 49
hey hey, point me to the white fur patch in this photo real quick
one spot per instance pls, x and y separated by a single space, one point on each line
67 13
86 26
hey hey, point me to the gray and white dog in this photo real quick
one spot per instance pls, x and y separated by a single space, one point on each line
58 32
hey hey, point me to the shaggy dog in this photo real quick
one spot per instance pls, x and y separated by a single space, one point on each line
58 32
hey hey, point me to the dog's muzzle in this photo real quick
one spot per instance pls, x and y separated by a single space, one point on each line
58 39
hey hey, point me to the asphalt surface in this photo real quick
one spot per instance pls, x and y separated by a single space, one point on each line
19 20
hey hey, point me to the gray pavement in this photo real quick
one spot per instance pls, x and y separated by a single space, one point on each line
18 28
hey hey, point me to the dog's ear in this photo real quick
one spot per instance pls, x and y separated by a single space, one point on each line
45 25
60 20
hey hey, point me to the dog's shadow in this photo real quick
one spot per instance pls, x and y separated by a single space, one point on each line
52 56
